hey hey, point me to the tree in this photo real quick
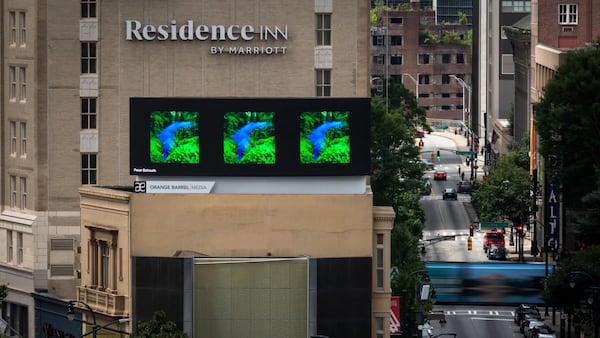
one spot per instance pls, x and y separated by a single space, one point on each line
568 123
158 327
505 193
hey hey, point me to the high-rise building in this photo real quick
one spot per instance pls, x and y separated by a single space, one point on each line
70 69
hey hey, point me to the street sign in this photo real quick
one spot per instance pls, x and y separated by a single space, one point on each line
491 225
464 153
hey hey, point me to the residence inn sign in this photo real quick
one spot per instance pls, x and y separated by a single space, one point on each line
190 31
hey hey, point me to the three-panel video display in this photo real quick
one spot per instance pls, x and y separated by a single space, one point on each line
249 136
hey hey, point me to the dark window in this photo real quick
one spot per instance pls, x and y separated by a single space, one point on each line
460 58
399 20
396 78
424 59
378 40
323 82
88 8
88 169
445 58
424 95
423 79
396 60
88 113
396 40
446 108
88 57
445 79
323 29
445 94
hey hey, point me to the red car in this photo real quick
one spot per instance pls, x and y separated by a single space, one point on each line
440 175
492 237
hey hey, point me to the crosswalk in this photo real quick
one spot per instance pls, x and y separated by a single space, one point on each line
491 313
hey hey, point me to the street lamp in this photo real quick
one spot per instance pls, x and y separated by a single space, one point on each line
416 85
95 327
464 85
592 299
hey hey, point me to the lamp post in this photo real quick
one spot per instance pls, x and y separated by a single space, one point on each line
593 299
416 85
95 327
464 86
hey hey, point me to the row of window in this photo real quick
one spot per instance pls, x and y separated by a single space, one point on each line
423 59
13 237
425 79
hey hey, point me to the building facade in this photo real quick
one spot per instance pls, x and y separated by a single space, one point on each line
69 70
409 47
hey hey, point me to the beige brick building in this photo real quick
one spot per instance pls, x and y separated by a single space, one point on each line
69 70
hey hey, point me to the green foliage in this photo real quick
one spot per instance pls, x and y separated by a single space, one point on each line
505 193
462 18
3 292
450 37
428 38
158 327
395 154
336 146
588 231
185 147
261 141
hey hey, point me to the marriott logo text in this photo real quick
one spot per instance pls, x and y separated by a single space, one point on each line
189 31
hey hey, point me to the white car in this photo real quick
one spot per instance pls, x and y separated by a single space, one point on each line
543 332
529 329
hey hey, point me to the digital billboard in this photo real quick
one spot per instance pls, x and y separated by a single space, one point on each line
249 136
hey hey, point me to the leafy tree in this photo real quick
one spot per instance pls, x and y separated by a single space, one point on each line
505 193
588 231
158 327
568 123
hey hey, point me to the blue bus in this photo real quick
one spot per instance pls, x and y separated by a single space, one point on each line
495 283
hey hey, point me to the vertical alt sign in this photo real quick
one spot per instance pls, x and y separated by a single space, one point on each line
553 221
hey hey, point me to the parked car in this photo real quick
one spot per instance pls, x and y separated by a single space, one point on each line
522 309
464 187
498 252
492 237
543 332
527 318
440 175
449 194
527 330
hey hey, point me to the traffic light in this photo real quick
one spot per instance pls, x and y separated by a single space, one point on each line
520 230
470 243
471 228
438 153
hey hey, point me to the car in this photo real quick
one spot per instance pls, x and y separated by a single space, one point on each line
522 309
498 252
464 187
440 175
428 165
528 330
492 237
543 332
527 318
449 194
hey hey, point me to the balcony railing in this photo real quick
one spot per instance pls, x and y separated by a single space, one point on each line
103 301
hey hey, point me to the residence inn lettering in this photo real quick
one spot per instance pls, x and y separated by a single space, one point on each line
190 31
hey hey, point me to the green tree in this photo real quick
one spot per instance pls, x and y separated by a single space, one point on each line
505 193
158 327
568 121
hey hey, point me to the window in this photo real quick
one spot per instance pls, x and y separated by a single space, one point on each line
61 259
423 79
445 107
323 77
323 29
397 20
22 84
379 59
12 28
9 246
424 95
13 191
23 192
379 326
12 83
459 94
13 138
17 318
88 8
19 248
445 79
396 40
460 58
379 262
445 94
516 6
104 264
23 130
88 58
424 59
378 40
88 169
396 59
445 58
396 78
22 29
88 113
567 14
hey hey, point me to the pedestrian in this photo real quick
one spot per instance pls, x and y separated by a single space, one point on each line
462 176
459 170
